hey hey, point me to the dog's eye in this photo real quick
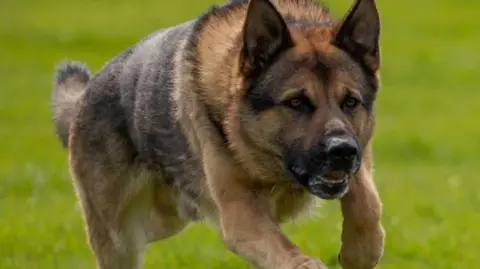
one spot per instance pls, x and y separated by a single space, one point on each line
299 103
350 103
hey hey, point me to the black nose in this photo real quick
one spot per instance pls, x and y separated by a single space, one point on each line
342 153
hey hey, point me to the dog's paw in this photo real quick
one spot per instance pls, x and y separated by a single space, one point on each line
304 262
312 264
355 263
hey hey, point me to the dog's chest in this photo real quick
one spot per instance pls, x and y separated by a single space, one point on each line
290 201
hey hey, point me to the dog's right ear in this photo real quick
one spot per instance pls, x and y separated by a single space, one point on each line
265 35
359 34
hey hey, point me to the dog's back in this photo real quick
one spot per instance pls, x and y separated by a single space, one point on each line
135 88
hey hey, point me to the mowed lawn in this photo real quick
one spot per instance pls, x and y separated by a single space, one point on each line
427 143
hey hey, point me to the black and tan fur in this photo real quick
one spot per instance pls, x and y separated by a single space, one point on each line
220 119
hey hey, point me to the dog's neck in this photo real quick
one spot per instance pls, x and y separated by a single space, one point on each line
218 49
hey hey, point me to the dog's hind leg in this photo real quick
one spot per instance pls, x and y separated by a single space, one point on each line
114 219
124 206
123 214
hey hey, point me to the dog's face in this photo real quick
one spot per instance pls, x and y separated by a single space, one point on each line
309 94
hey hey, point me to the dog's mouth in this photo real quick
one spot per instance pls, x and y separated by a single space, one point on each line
328 186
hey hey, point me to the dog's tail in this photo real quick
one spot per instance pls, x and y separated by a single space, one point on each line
71 78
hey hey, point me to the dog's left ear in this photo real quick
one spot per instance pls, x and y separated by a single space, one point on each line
359 33
265 35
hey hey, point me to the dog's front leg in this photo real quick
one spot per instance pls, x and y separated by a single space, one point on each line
363 234
250 233
244 217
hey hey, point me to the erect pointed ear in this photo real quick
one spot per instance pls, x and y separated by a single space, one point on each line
265 35
359 33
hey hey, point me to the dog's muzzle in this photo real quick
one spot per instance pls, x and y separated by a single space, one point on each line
326 171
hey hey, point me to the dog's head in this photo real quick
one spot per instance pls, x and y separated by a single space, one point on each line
308 95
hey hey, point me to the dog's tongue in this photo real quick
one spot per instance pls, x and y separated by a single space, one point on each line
337 175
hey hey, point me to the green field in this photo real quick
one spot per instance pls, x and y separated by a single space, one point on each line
426 146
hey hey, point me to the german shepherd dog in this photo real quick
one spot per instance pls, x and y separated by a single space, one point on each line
241 117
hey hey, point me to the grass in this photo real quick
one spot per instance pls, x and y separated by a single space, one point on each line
426 146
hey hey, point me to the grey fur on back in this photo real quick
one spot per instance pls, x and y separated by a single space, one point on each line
129 101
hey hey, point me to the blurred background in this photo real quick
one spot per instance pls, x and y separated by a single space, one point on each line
427 143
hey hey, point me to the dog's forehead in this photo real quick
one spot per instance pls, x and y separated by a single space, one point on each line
314 50
320 69
313 40
314 62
